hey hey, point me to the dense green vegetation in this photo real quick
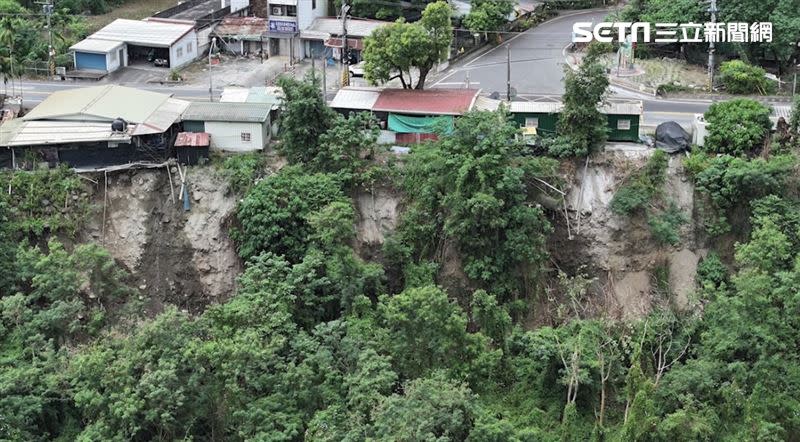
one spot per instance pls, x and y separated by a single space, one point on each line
582 127
783 14
488 15
739 77
426 342
737 127
23 34
396 50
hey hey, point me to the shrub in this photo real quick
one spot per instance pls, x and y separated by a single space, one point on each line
737 127
643 187
739 77
45 200
275 213
597 48
711 271
664 226
243 170
794 121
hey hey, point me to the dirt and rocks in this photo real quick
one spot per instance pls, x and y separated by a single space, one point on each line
186 258
179 257
619 251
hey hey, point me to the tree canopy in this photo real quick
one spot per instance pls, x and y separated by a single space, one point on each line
404 50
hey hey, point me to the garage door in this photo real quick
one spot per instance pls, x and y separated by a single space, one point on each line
86 60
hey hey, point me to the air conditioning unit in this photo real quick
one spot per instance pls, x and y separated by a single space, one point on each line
277 10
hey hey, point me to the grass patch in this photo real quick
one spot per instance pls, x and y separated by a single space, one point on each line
133 9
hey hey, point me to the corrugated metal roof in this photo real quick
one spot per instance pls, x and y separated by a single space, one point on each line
96 45
242 28
193 139
356 98
144 32
426 102
782 111
227 112
535 107
487 104
259 94
620 107
38 133
356 27
162 118
98 103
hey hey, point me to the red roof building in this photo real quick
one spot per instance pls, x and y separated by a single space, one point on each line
193 139
426 102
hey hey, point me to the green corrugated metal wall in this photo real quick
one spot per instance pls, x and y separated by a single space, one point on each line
547 122
615 134
194 126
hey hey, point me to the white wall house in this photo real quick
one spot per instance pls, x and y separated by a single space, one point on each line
183 50
235 127
124 42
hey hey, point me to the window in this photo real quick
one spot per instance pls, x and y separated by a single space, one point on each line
313 4
246 136
189 48
113 56
623 124
179 53
532 122
291 11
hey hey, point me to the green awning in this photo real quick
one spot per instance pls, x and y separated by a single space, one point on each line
420 125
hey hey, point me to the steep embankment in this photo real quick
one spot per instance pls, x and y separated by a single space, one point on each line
185 258
188 259
630 265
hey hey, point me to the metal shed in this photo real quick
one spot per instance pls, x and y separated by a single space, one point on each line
237 127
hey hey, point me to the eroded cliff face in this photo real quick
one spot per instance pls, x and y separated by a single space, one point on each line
185 258
619 250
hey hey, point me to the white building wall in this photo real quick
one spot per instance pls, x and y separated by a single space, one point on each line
113 59
184 50
204 39
228 136
238 5
306 12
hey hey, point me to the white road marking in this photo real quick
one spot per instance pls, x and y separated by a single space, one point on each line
561 17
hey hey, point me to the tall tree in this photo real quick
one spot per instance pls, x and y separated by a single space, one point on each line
399 49
582 126
488 15
304 119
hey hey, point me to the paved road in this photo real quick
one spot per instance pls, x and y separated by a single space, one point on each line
537 59
537 68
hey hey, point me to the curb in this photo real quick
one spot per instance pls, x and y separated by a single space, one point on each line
723 97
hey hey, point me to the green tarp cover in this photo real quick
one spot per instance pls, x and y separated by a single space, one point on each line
420 125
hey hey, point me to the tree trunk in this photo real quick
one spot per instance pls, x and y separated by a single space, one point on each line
423 74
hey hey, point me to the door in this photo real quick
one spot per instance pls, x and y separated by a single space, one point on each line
89 61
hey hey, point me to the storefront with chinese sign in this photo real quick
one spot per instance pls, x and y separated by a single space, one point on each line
282 34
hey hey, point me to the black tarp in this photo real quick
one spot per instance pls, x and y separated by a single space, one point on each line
672 138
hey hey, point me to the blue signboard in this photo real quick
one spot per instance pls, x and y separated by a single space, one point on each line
288 27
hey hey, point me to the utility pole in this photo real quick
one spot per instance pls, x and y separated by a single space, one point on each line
508 72
210 72
324 78
313 67
345 60
794 82
713 10
47 10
